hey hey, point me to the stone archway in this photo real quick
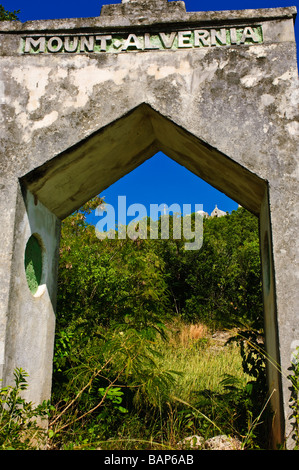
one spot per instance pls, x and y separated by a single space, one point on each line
87 100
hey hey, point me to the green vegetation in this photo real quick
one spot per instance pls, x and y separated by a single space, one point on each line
21 422
6 15
137 363
33 263
155 343
143 280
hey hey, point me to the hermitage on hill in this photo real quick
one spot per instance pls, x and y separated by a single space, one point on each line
215 213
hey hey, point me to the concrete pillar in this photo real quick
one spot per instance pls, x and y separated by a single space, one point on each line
31 320
279 248
7 218
270 324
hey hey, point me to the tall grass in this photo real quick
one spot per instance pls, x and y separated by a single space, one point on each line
163 412
202 362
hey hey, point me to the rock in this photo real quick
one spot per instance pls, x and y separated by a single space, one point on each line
222 442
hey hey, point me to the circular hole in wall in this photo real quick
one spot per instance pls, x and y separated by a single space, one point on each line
35 265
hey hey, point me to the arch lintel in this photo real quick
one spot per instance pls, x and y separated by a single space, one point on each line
70 179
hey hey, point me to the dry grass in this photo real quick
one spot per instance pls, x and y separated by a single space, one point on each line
190 334
186 335
200 358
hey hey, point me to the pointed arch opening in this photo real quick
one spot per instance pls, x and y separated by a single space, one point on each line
66 182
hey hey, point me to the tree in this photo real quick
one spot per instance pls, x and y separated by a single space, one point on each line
141 281
103 282
6 15
221 282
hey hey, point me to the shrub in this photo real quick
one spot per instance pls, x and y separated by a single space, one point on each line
20 421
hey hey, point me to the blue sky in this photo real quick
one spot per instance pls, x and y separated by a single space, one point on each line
173 183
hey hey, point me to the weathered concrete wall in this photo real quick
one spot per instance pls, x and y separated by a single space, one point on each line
31 321
84 101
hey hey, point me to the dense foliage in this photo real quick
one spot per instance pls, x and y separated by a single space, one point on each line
116 298
144 281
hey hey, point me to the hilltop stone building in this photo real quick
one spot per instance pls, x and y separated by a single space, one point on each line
215 213
218 212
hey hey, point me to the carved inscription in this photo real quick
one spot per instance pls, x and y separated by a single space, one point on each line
98 43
